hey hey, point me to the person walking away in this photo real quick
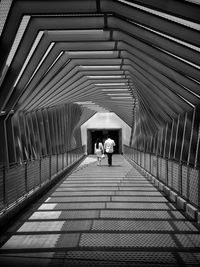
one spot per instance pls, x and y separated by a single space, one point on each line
109 148
98 150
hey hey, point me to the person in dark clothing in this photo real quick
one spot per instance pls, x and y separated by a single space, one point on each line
109 149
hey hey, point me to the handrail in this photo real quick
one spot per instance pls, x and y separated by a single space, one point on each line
14 164
167 158
180 177
18 180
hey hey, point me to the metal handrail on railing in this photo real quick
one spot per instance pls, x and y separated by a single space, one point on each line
20 180
180 177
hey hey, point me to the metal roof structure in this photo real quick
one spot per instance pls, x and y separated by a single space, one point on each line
139 59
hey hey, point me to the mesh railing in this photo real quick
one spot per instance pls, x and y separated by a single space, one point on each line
179 177
17 182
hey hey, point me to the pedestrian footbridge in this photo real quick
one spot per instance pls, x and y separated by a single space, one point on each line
100 216
65 63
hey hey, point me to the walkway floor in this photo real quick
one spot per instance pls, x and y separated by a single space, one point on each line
103 216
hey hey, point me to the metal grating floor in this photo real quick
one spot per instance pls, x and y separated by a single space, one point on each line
100 216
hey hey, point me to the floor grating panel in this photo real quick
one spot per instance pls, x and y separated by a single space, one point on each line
100 216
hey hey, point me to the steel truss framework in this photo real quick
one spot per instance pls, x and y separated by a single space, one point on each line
139 59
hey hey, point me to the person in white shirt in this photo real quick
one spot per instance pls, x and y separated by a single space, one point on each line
109 149
98 150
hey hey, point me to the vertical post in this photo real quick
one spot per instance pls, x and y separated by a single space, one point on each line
171 137
165 142
180 178
197 149
33 140
3 143
63 137
25 137
49 167
176 136
56 131
161 141
190 144
37 134
167 170
48 132
199 188
44 138
40 169
26 177
157 171
30 151
150 161
4 188
184 130
20 139
9 139
57 169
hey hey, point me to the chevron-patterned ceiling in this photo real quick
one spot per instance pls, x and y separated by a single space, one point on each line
139 58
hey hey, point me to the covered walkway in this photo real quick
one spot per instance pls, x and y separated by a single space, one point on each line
63 63
100 216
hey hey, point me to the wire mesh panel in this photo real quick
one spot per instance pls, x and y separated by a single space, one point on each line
159 163
60 162
132 154
154 165
194 186
33 175
68 157
1 190
129 151
175 176
72 156
45 169
142 159
138 157
162 169
65 160
76 155
184 181
53 165
129 154
147 162
15 183
163 174
170 173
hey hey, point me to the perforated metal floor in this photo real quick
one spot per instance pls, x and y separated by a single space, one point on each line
100 216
